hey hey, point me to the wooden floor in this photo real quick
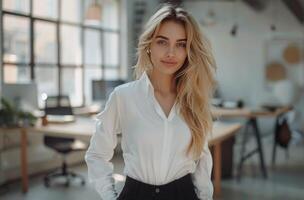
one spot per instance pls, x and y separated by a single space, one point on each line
286 181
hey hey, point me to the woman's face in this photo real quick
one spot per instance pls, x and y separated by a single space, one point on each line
168 48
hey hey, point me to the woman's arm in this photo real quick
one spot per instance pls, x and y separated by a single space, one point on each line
202 175
101 149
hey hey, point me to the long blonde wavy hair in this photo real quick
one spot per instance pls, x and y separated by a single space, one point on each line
195 79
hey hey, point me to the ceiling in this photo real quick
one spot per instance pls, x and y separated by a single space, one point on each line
295 6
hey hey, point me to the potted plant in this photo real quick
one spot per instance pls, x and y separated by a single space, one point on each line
11 117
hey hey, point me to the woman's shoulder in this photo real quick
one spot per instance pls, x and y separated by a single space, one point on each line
127 88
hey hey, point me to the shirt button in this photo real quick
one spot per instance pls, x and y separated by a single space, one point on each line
157 190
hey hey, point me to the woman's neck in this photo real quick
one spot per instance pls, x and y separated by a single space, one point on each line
163 83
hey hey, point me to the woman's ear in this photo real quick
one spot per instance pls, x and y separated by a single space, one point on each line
148 51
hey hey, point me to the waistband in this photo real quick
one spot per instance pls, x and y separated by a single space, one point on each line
168 186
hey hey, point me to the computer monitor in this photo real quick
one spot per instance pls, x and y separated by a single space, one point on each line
101 89
22 95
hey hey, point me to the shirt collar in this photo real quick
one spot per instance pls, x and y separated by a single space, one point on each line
149 89
147 85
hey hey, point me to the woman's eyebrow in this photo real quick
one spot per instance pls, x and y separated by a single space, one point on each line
165 38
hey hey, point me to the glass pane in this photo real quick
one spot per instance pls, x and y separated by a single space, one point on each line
17 5
111 46
92 48
70 10
112 74
46 8
72 84
70 45
110 14
16 39
45 42
47 81
90 74
16 74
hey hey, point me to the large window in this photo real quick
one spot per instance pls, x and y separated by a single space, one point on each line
53 43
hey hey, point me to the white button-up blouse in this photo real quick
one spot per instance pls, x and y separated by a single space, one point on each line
153 145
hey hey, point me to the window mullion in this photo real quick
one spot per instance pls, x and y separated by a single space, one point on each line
82 49
32 57
59 48
2 47
103 74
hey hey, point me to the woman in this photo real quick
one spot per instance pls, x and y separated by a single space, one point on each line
164 116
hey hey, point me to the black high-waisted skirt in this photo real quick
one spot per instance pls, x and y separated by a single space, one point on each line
180 189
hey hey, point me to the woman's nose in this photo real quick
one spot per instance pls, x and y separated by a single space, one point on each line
171 52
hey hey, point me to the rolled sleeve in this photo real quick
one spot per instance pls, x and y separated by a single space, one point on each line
101 149
202 175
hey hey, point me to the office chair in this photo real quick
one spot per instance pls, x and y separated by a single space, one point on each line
60 105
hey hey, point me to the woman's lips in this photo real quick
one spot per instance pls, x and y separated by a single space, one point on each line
169 63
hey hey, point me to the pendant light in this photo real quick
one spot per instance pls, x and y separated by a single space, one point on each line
94 11
235 27
273 26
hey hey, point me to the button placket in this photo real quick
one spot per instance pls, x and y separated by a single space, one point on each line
164 150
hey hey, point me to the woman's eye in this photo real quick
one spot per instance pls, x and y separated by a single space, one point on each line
162 42
182 45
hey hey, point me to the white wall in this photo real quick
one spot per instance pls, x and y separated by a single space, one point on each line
241 59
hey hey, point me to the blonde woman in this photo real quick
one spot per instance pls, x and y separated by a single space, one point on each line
163 116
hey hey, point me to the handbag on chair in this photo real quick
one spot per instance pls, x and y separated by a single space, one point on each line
283 133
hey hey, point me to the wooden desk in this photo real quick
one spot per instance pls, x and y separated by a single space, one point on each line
248 112
251 115
85 127
23 155
221 132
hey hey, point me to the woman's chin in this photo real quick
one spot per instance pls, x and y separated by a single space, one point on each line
170 70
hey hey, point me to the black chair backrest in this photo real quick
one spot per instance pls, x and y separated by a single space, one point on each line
53 140
58 105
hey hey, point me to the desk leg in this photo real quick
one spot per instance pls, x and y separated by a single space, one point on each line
24 172
243 150
217 169
260 147
276 125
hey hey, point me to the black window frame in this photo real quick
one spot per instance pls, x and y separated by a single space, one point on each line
58 22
